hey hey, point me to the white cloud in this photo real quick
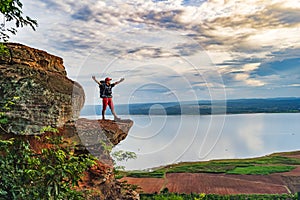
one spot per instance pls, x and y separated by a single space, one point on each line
292 4
241 77
278 38
254 82
251 66
245 76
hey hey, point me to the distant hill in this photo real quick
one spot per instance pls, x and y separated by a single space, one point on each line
232 106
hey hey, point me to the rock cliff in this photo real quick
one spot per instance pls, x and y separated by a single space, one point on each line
46 96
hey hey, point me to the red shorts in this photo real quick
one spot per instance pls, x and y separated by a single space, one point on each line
109 102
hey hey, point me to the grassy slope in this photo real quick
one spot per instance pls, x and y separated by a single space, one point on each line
263 165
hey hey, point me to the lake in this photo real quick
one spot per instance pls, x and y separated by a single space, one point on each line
161 140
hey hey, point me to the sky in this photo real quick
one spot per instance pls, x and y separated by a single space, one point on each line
173 50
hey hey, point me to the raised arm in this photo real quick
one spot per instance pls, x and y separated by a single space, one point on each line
121 80
94 78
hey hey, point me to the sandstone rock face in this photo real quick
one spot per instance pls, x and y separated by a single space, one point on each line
46 96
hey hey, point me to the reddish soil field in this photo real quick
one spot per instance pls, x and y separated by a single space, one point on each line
148 185
292 155
295 172
223 184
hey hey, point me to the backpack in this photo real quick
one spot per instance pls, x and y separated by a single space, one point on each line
105 91
102 88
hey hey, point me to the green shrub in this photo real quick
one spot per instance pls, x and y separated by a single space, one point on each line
50 174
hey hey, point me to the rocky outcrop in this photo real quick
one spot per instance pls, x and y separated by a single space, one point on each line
97 137
46 96
114 131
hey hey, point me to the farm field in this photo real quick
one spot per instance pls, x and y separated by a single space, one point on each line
225 183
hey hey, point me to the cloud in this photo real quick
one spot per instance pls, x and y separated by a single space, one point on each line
249 43
148 52
229 26
83 14
244 80
255 28
251 66
286 67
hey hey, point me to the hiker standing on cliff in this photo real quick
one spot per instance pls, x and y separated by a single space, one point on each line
106 95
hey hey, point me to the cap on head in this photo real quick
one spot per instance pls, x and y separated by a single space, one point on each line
108 79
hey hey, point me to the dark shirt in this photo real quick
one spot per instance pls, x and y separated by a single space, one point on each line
106 90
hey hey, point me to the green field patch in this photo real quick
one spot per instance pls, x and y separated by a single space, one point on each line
260 170
260 165
225 166
209 167
155 174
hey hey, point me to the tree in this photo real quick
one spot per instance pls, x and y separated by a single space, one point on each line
11 11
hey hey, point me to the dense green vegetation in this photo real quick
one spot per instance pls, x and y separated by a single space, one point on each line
52 173
49 173
262 165
170 196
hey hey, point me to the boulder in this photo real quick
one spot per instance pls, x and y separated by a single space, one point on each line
46 96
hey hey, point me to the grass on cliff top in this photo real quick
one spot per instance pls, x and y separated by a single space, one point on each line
263 165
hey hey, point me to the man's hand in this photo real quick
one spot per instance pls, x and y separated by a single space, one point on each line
94 78
122 79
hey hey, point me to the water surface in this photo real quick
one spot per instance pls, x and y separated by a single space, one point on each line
162 140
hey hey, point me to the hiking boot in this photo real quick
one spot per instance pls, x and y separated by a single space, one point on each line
117 119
